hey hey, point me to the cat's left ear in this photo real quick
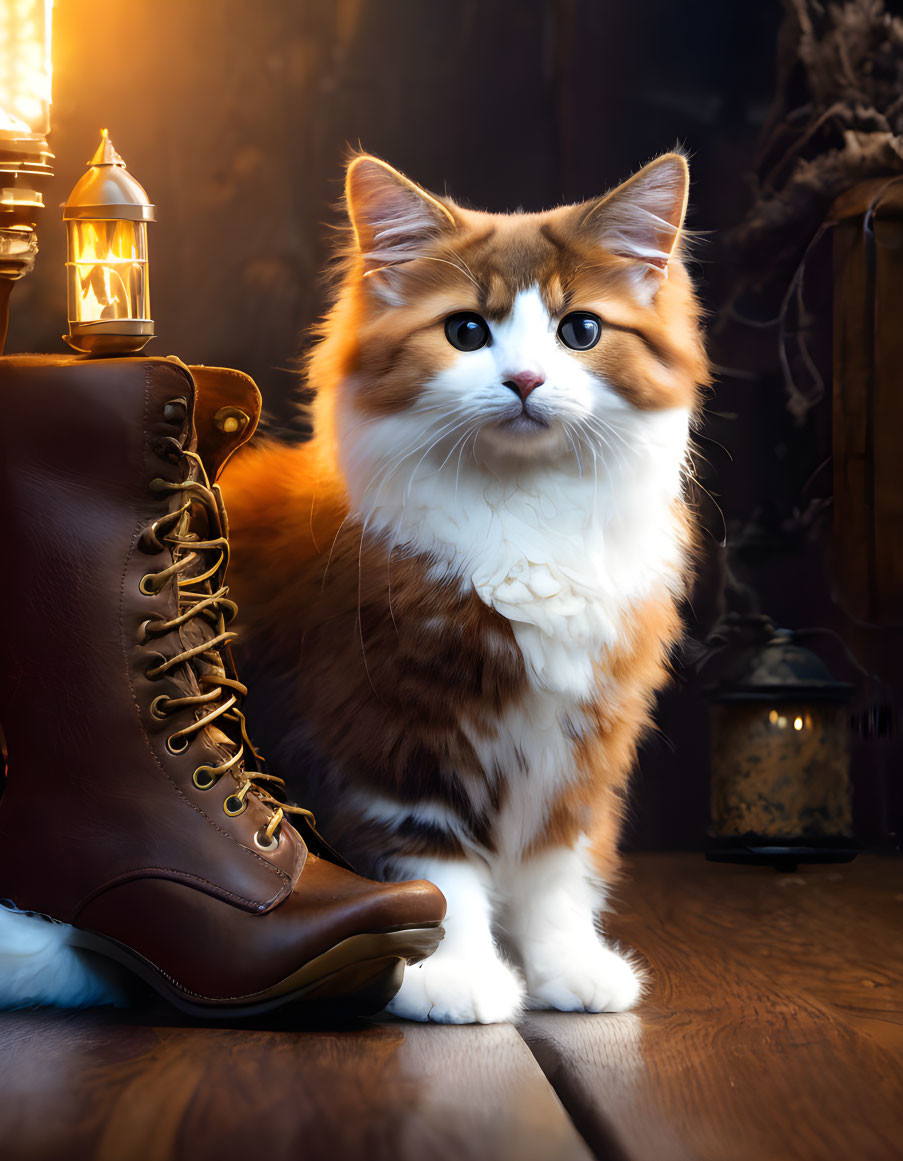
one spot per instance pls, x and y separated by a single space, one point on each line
642 218
394 220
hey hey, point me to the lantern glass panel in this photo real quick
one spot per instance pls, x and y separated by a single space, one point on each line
780 769
25 66
107 270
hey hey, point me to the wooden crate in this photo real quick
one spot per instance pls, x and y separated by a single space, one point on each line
868 401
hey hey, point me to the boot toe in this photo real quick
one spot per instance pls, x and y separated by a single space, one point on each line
351 904
415 903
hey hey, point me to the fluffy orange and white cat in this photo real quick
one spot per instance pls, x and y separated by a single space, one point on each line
459 597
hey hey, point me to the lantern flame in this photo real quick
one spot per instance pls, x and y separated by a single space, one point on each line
107 261
797 723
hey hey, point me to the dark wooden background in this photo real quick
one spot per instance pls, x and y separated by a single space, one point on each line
236 117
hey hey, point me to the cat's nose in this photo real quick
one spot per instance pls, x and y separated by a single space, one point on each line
523 383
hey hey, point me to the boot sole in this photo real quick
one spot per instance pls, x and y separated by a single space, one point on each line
358 976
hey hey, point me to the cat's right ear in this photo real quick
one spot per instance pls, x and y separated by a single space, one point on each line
394 220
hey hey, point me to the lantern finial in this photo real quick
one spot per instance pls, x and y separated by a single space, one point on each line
105 153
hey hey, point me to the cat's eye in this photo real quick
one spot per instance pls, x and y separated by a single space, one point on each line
580 330
466 331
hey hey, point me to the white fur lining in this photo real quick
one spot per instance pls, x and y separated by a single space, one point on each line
40 966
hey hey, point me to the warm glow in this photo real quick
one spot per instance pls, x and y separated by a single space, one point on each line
107 262
25 70
781 722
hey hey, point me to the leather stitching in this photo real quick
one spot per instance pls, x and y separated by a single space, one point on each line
167 874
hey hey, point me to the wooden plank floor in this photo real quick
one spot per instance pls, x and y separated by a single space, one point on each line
772 1031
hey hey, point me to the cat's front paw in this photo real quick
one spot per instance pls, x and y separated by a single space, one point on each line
459 989
592 978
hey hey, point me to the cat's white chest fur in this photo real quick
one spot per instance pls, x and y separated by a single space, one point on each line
562 553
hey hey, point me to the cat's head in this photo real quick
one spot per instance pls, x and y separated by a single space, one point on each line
526 334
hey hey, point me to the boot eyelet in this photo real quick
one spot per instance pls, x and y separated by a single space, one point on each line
178 745
144 634
145 586
175 411
203 779
147 544
263 843
155 707
233 806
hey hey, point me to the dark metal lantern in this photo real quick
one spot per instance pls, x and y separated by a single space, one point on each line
780 777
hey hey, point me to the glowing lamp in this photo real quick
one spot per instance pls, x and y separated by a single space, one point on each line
779 728
106 220
25 72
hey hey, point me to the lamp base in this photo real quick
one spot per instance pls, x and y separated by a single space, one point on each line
784 854
124 336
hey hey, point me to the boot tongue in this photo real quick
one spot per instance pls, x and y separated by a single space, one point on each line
197 632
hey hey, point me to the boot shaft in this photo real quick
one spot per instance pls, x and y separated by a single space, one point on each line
93 456
79 446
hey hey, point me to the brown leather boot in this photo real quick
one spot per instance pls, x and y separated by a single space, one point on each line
135 809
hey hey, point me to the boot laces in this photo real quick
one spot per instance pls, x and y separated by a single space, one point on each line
198 568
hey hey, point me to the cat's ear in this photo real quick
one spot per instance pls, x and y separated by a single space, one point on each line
642 219
394 220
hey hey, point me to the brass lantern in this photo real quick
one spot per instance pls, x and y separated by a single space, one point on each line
106 220
779 727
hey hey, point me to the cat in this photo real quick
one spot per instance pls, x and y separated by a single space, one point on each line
460 596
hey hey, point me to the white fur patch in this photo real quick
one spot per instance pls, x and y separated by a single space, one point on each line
39 966
532 747
552 901
391 813
548 906
465 981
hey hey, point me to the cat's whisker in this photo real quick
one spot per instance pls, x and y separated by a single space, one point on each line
454 266
475 433
360 619
603 430
389 470
445 434
332 549
595 480
458 466
587 429
452 451
407 491
610 427
467 268
567 431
